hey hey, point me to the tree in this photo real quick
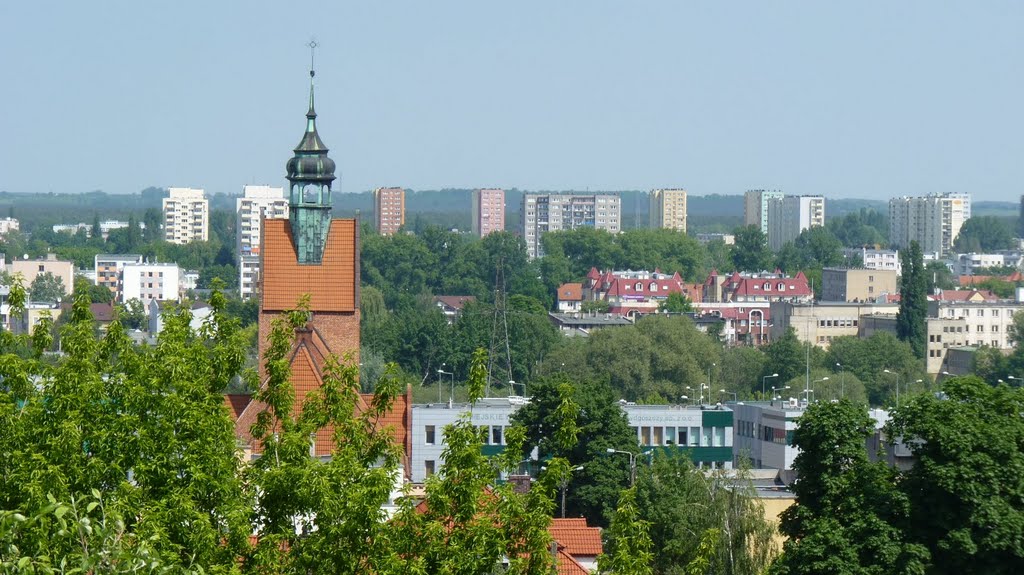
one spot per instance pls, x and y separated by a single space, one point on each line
939 276
983 234
47 287
786 357
676 303
868 358
601 423
848 516
628 540
681 503
965 491
750 252
910 320
133 314
95 293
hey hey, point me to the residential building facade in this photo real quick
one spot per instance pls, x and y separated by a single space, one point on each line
876 259
634 292
668 209
856 285
933 221
150 281
257 203
544 213
108 270
820 323
61 269
488 211
9 225
968 264
790 215
186 216
389 209
755 207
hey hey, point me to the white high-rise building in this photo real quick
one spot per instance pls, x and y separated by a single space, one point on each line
933 221
544 213
790 215
256 204
186 216
668 209
755 207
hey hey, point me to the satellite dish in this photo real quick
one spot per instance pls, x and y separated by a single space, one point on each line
25 256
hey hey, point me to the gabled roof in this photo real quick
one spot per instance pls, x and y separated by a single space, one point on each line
332 284
309 353
568 565
236 402
570 292
593 274
577 539
966 295
456 302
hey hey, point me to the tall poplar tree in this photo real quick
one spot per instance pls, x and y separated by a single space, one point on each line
910 320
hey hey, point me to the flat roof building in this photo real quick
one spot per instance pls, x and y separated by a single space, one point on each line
389 210
544 213
488 211
668 209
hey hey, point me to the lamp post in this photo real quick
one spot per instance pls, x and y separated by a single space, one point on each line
713 364
564 485
842 380
728 393
807 392
686 399
451 396
1019 380
704 386
897 386
763 380
632 464
512 385
777 389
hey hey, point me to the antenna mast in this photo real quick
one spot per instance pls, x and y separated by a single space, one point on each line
499 332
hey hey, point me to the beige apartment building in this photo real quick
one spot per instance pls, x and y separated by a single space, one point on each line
856 285
389 209
30 269
820 323
186 216
668 209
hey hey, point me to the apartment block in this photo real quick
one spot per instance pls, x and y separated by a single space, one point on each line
488 211
856 285
755 207
257 203
876 259
790 215
544 213
668 209
108 270
389 209
150 281
186 216
30 269
821 323
933 221
9 225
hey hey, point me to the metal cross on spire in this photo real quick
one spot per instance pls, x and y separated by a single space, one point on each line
312 56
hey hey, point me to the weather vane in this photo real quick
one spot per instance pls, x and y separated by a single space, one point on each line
312 56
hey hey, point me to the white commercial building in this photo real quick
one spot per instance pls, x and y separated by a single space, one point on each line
755 207
933 221
544 213
790 215
668 209
149 281
967 264
186 216
256 204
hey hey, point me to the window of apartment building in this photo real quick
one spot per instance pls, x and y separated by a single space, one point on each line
428 467
42 268
871 278
995 343
995 329
981 329
431 434
981 313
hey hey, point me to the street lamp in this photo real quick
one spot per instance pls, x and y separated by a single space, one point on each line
807 392
451 396
632 464
686 399
564 485
897 386
777 389
729 393
704 386
713 364
842 381
512 385
763 380
1015 378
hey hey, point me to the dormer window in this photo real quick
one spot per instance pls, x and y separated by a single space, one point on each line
782 287
767 286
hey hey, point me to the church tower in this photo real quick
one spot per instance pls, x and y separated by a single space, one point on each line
310 173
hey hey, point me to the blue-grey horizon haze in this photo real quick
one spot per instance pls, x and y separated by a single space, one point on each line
851 100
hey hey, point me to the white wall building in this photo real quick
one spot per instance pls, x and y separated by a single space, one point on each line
966 264
9 225
877 259
933 221
186 216
790 215
150 281
256 204
544 213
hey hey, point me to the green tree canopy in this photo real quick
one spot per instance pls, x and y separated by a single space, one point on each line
984 234
910 320
47 287
750 252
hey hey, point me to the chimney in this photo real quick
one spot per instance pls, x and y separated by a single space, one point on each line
520 483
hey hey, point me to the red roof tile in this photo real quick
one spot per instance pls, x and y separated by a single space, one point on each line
570 292
332 284
236 402
578 540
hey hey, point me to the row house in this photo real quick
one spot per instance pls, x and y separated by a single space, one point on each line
632 293
756 287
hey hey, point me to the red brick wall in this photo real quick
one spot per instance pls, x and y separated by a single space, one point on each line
340 330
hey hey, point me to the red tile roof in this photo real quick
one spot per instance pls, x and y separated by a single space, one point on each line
966 295
578 539
568 565
236 402
455 302
332 284
570 292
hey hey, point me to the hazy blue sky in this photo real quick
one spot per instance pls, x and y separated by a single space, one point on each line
855 99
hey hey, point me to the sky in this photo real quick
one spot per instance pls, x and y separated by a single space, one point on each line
868 99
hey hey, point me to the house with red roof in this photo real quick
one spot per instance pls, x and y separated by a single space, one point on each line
451 305
758 287
578 545
570 297
632 293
